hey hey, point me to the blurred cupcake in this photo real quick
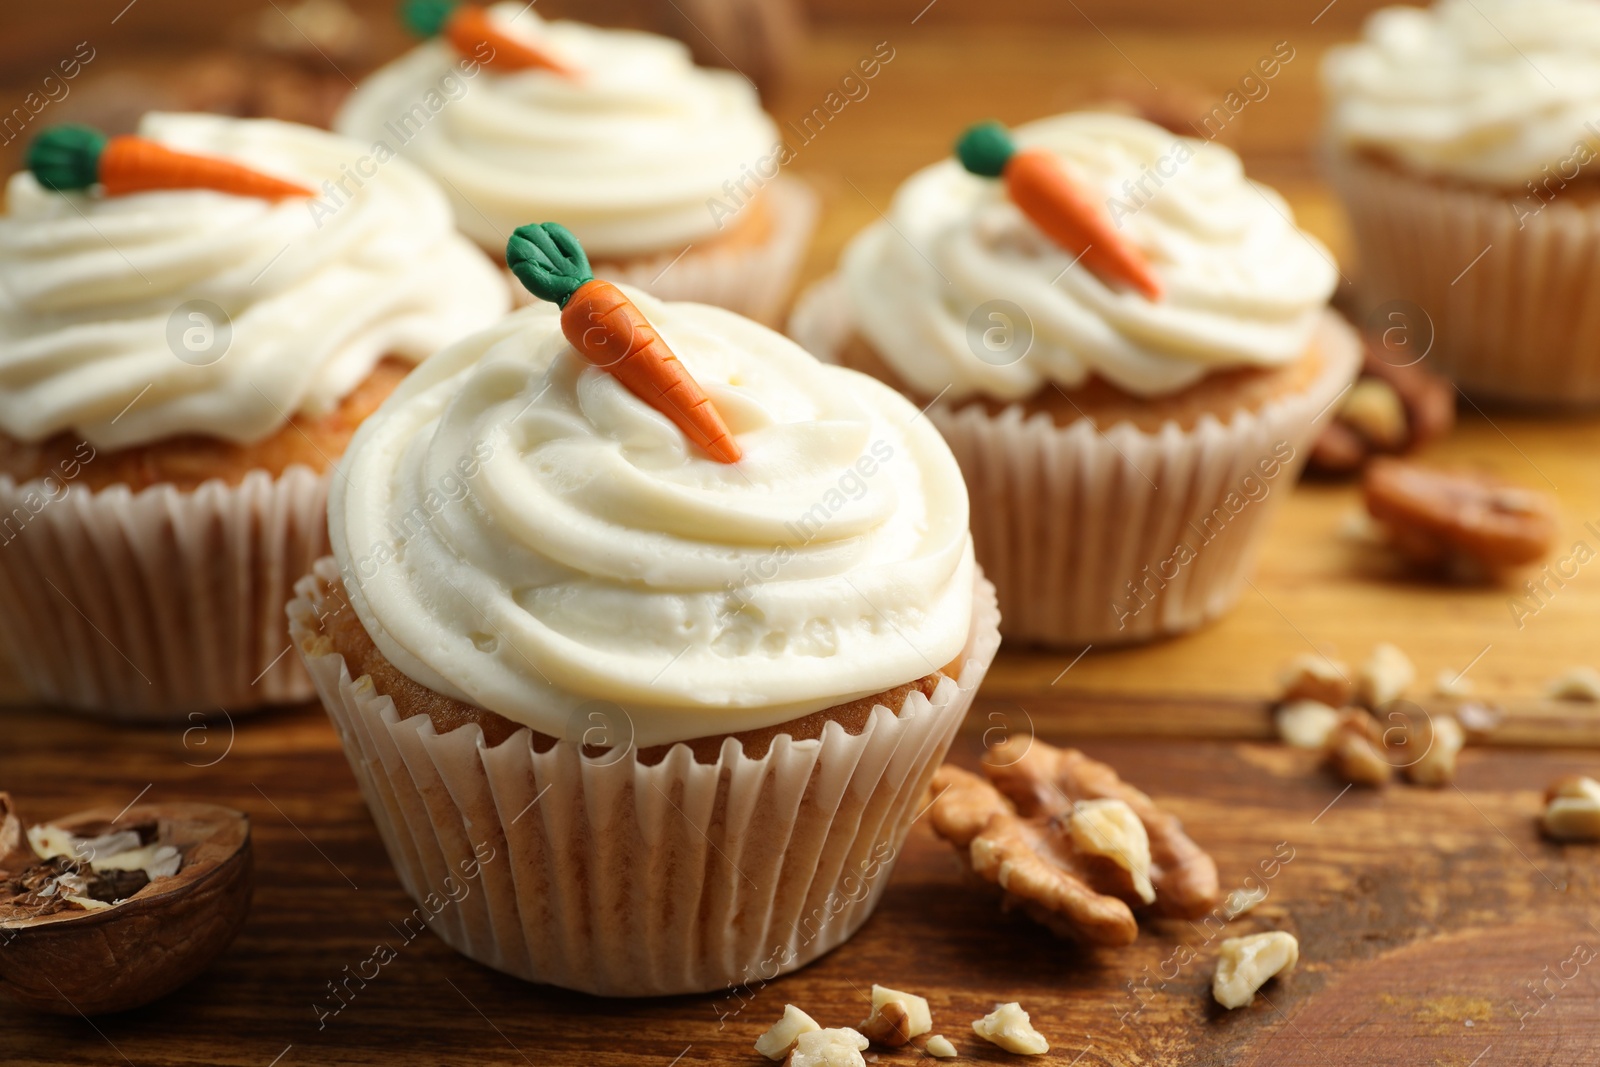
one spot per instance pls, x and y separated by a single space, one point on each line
180 367
671 696
668 172
1125 343
1465 142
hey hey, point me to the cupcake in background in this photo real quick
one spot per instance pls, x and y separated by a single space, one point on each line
180 369
668 172
671 674
1465 143
1125 342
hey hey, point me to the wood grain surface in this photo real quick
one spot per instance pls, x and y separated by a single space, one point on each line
1424 917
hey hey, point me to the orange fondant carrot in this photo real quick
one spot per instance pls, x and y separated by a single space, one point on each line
610 331
1044 192
468 27
75 157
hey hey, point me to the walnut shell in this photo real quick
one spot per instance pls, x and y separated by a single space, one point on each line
142 948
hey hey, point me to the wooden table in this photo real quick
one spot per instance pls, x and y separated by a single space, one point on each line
1424 916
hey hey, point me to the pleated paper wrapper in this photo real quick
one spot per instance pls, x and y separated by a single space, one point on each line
1080 530
754 280
614 878
157 604
1513 303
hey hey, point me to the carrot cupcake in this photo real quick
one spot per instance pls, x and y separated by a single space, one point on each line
1465 143
671 673
1126 344
186 347
666 171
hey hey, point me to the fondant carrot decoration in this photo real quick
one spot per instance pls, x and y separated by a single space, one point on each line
67 158
1041 188
611 332
468 26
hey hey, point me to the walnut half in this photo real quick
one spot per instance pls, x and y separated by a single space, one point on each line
1072 844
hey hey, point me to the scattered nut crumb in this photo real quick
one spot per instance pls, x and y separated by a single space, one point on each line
1315 677
840 1047
940 1046
776 1042
1385 676
1479 718
1452 684
1572 809
1306 723
896 1017
1009 1027
1374 410
1355 749
1437 766
1241 901
1109 828
1442 519
1244 964
1580 684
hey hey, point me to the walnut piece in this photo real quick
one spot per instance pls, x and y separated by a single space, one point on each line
839 1047
1244 964
1241 901
1009 1027
940 1046
1581 684
1306 723
1449 683
1373 409
1441 519
1355 749
1109 828
896 1017
776 1042
1437 766
1572 809
1385 676
1315 677
1018 833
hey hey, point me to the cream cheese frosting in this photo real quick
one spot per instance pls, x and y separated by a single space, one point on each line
1490 91
517 530
955 258
98 334
629 155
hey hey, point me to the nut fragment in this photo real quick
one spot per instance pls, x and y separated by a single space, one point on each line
777 1041
1316 677
1373 409
1109 828
1437 765
1244 964
896 1017
1572 809
1355 749
940 1046
1385 676
1017 834
1440 519
163 921
1306 723
1009 1027
1449 683
840 1047
1580 684
1241 901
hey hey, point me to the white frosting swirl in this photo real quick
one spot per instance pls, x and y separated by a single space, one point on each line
518 530
92 290
1243 286
1490 91
627 156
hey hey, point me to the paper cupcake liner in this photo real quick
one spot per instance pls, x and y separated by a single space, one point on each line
754 280
155 604
610 877
1514 303
1080 530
